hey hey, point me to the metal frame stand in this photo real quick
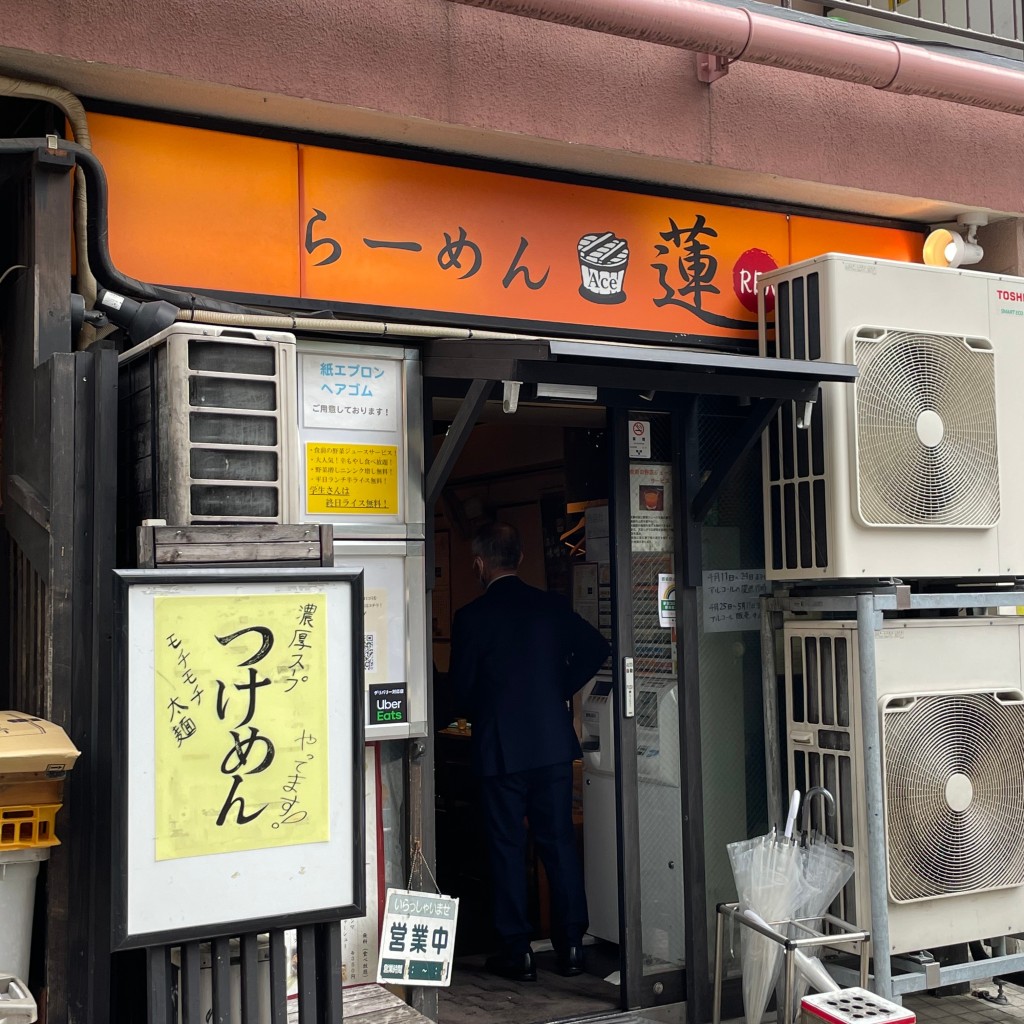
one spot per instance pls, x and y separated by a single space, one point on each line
870 606
845 935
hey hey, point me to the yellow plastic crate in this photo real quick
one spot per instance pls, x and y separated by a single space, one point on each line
26 827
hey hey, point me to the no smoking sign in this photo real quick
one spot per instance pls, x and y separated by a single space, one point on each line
639 439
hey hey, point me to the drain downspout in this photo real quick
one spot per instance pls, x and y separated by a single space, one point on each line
71 107
735 33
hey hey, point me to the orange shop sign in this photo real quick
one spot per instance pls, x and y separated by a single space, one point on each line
380 234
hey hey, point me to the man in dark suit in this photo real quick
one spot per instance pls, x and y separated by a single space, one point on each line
518 656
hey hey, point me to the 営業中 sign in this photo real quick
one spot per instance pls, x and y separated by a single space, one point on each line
417 942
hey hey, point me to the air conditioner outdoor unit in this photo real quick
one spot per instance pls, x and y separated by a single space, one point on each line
207 426
951 724
912 471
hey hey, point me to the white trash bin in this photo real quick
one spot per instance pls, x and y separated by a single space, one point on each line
18 871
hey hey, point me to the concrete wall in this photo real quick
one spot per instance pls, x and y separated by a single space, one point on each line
431 73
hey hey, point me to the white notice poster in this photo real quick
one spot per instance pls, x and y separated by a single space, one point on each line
350 392
732 599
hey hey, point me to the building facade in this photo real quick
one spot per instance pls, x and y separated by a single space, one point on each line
544 224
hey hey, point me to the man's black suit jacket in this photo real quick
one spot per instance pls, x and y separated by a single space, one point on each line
518 656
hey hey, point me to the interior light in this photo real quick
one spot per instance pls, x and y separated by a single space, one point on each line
945 247
573 392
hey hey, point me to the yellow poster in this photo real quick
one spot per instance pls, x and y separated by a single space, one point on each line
361 479
241 741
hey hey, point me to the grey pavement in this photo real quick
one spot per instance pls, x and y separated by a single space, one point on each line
968 1009
479 998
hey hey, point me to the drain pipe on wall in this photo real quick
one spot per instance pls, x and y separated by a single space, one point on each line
71 107
735 34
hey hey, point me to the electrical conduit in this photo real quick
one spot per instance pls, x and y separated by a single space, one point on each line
195 308
71 107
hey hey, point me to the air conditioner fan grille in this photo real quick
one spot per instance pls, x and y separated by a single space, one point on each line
926 431
954 792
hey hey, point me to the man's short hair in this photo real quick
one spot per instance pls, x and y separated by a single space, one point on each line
498 544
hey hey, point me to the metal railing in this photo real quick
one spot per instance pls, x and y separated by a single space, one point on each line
992 26
247 979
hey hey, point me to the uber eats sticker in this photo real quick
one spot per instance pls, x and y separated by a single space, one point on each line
387 704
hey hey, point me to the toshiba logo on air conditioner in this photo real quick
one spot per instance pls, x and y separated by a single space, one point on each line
908 472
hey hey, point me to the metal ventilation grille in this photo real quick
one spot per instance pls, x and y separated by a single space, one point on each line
819 690
926 430
797 506
954 793
234 431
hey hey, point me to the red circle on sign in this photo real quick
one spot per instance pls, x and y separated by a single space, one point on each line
638 428
749 267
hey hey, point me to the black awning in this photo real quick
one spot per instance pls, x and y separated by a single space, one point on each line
766 380
608 364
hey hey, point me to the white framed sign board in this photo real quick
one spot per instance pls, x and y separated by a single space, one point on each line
239 740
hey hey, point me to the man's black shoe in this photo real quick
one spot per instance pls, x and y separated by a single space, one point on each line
570 962
515 968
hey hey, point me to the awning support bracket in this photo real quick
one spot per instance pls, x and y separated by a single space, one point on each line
745 436
806 413
455 439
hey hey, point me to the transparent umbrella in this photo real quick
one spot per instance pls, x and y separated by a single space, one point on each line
769 878
825 869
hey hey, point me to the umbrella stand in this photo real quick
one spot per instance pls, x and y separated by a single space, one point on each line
805 933
781 883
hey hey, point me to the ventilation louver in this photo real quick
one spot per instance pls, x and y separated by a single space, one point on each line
207 422
954 793
925 420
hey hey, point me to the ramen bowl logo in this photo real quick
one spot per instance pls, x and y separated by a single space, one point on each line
603 261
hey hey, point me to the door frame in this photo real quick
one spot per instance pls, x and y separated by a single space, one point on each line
689 984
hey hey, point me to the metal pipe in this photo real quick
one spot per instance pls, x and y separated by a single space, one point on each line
872 762
716 1005
740 34
71 107
790 986
378 328
770 702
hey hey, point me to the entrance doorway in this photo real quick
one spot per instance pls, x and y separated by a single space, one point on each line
597 527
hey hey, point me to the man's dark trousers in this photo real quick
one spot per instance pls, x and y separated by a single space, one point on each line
518 656
542 795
